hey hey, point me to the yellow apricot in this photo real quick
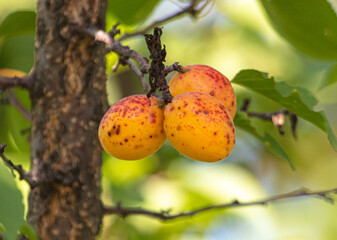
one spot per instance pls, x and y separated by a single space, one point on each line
202 78
199 126
7 72
132 128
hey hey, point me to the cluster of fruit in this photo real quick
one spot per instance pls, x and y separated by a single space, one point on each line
198 122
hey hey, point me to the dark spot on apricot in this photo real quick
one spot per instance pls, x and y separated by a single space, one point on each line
171 108
172 135
117 131
142 110
227 135
120 143
114 127
153 120
206 112
126 140
214 133
109 133
133 136
152 115
212 93
178 108
222 107
198 99
150 136
232 103
233 130
178 128
203 147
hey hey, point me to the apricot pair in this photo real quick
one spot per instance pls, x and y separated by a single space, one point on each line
198 122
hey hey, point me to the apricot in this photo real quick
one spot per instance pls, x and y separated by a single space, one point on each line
7 72
132 128
202 78
199 126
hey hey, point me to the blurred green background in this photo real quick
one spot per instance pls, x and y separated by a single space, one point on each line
282 38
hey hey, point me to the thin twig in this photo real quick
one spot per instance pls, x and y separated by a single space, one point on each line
134 67
190 9
165 215
7 82
174 67
23 175
277 118
18 105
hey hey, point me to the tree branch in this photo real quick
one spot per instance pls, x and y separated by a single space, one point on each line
191 9
165 215
115 46
18 105
23 175
125 53
6 82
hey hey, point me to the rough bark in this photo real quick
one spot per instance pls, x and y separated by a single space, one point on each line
68 101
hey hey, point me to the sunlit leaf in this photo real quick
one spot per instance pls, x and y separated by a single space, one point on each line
18 23
242 121
28 230
310 26
11 205
131 12
295 99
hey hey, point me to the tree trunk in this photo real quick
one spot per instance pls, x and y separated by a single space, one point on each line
68 101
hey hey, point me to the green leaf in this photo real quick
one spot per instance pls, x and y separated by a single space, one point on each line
310 26
13 123
11 205
28 230
242 121
2 228
331 77
131 12
297 100
18 23
17 52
